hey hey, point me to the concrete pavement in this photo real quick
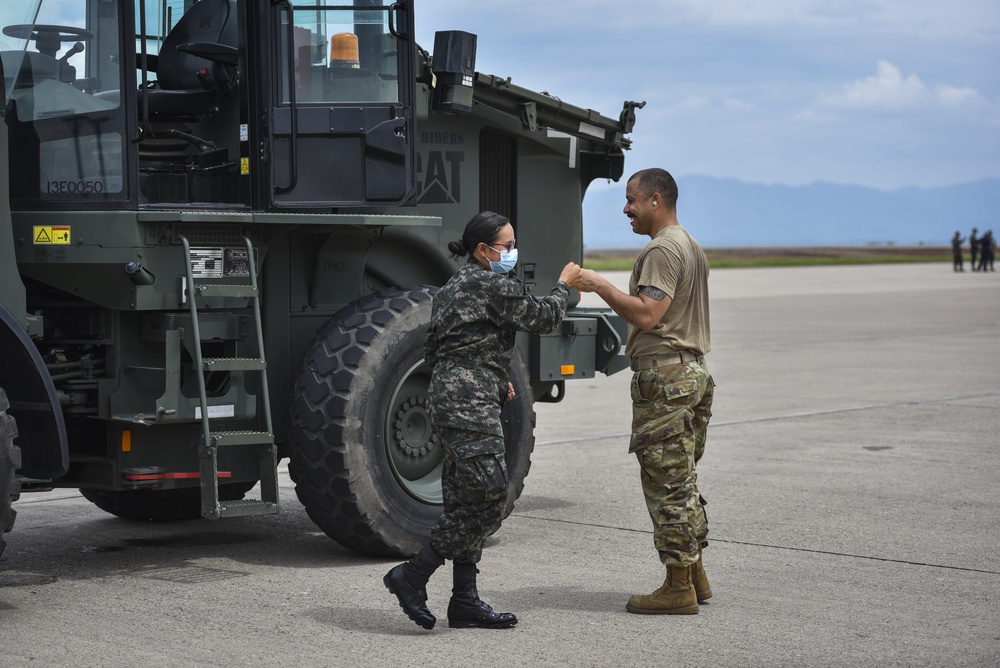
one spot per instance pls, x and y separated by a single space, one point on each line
851 474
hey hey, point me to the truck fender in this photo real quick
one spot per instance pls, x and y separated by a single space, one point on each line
34 402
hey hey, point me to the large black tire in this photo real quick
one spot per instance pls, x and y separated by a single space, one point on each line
160 505
10 462
364 459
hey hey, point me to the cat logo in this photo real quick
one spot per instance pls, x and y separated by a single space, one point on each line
442 183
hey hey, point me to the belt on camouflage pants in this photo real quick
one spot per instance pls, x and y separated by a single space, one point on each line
655 361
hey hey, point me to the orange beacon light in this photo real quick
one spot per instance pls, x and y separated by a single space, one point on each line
344 50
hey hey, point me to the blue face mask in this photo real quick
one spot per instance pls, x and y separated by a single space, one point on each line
508 259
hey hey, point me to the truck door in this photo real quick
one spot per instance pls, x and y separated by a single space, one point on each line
341 122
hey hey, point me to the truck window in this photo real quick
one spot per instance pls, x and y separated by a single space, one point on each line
61 72
161 16
343 53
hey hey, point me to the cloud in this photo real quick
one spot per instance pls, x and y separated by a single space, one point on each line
889 90
926 18
955 97
881 92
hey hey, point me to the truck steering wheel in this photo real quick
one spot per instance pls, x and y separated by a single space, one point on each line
47 38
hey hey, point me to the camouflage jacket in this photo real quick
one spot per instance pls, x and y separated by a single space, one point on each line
474 319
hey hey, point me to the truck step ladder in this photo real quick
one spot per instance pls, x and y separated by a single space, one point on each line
213 438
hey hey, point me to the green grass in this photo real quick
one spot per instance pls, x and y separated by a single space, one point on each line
619 263
811 262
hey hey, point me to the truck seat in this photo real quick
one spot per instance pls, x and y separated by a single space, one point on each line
195 69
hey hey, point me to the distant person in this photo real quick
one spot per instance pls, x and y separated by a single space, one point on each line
668 337
475 318
956 251
974 245
987 249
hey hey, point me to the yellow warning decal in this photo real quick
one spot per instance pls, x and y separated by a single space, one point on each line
244 166
50 235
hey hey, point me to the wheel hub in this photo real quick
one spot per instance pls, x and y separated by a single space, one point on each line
414 449
413 431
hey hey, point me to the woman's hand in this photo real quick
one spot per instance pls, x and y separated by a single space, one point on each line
570 274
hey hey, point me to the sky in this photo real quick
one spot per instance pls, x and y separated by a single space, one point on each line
880 93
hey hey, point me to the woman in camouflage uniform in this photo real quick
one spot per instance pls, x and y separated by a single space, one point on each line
474 320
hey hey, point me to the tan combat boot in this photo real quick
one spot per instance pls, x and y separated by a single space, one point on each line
701 586
676 597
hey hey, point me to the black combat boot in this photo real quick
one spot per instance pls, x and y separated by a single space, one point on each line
408 582
466 610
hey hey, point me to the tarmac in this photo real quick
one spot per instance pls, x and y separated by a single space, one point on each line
851 478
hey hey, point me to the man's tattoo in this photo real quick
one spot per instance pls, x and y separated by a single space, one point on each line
652 293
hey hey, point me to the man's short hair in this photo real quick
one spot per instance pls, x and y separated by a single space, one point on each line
656 180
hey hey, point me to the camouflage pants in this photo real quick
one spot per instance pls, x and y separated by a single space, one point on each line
671 407
475 493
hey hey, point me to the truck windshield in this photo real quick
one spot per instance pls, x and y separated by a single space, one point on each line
12 48
61 73
50 64
342 53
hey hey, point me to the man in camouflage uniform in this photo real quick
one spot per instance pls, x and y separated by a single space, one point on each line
474 320
672 390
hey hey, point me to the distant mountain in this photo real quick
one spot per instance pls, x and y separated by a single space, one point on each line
728 212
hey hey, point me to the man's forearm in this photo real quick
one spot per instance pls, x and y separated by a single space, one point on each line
629 308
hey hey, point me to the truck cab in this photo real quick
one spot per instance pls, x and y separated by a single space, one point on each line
223 223
160 106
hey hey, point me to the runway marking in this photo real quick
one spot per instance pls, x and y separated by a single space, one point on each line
852 409
857 556
791 416
775 547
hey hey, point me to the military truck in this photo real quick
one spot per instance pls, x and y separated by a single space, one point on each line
222 224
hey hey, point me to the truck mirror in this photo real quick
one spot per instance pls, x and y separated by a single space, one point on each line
454 66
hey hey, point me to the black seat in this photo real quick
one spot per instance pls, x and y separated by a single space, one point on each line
196 67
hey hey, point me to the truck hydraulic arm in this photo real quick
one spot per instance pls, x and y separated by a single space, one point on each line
543 110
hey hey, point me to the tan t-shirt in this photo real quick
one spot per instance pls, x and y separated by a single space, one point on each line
673 262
